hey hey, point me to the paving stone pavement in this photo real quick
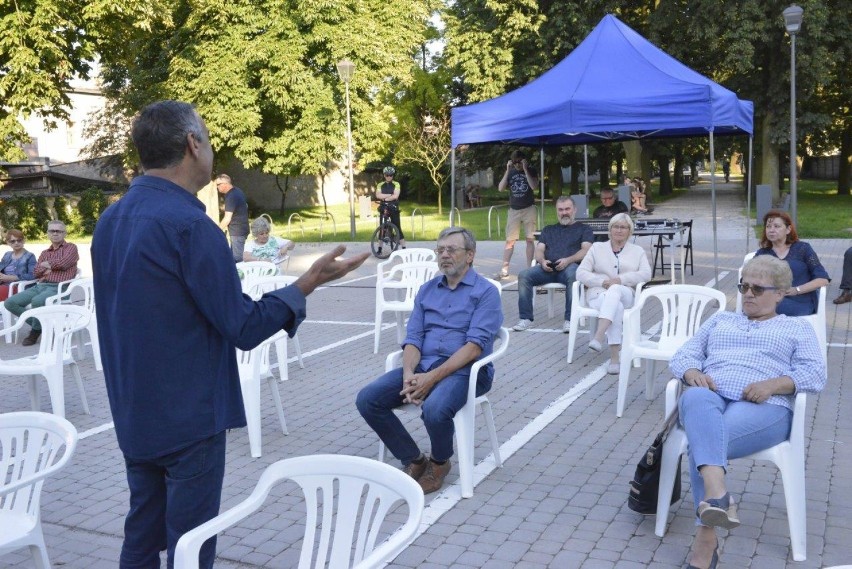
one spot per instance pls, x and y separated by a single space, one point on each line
560 499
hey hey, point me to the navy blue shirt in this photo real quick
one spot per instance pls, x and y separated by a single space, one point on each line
170 311
235 202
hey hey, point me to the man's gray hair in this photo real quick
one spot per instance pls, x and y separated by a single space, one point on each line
469 239
565 198
159 133
607 191
778 271
223 178
260 225
56 222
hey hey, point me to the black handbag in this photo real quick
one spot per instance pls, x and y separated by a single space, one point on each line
645 486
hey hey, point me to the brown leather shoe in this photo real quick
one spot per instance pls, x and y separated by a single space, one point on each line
845 296
433 478
416 470
32 338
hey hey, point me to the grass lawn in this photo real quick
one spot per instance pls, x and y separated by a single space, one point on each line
822 213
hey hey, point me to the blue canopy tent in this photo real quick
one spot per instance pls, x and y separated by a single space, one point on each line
614 86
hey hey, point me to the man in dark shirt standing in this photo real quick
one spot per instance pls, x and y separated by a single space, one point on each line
235 220
520 180
559 251
171 311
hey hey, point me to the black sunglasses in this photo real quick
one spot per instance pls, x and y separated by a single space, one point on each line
756 289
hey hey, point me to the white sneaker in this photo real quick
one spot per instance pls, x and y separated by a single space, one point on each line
613 368
501 275
595 346
566 327
522 325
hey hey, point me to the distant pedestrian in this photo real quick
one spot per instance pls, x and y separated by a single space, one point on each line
388 192
235 221
726 169
846 279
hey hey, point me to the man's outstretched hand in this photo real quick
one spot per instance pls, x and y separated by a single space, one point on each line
328 268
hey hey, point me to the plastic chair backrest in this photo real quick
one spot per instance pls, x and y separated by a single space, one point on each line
261 285
683 310
409 255
33 445
348 498
257 269
412 275
58 322
84 287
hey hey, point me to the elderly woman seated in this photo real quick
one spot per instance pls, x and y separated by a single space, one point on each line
745 370
611 270
265 247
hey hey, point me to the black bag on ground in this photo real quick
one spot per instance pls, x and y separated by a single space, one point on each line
645 486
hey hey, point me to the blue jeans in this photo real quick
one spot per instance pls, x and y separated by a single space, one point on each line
719 429
536 276
169 496
377 401
238 247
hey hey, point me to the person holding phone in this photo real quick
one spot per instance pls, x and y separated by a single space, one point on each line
559 250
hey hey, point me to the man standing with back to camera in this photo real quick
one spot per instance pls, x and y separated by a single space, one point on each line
171 311
520 179
235 221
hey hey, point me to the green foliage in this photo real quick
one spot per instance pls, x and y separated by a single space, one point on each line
92 203
30 215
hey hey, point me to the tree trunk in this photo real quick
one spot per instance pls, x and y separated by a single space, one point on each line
647 169
845 159
284 192
633 157
603 165
553 183
767 163
575 174
665 177
678 166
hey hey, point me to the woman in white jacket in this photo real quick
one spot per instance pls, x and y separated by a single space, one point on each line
611 270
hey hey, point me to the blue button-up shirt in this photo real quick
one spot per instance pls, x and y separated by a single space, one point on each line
445 319
170 311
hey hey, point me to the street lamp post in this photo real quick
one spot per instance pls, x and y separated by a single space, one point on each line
346 69
793 23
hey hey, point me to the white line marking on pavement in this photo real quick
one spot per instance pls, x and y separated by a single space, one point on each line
836 345
96 430
343 323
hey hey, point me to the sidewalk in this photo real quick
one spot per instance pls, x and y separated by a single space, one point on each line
560 499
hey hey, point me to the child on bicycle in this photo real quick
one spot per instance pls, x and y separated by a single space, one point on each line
388 193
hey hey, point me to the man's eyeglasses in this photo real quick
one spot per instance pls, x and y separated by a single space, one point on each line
11 241
451 250
756 289
607 198
56 231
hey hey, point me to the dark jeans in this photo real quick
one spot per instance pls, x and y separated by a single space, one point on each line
238 246
536 276
846 280
377 401
169 496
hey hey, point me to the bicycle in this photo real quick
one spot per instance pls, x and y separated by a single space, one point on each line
385 238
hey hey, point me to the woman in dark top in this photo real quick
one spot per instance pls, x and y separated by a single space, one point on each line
780 240
17 264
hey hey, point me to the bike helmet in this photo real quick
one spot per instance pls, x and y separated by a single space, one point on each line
389 171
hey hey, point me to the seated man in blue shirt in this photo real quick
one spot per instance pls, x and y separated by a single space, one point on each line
455 320
170 313
558 253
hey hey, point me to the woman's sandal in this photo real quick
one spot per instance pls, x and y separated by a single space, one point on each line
719 512
713 562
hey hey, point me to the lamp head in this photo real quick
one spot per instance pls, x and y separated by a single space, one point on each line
346 69
793 19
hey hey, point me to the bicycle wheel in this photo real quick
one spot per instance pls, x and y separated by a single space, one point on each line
385 240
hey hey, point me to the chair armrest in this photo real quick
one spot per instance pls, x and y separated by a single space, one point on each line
503 336
673 391
17 286
393 361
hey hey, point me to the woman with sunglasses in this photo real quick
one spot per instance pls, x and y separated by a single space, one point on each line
743 370
780 240
17 264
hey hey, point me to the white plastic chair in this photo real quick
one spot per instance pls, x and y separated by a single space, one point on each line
82 290
33 446
580 311
348 498
58 323
253 367
818 320
684 307
403 279
8 317
409 255
788 456
250 270
551 288
465 420
260 286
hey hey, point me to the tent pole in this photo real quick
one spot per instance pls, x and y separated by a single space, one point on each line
452 186
541 184
749 225
713 196
586 169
